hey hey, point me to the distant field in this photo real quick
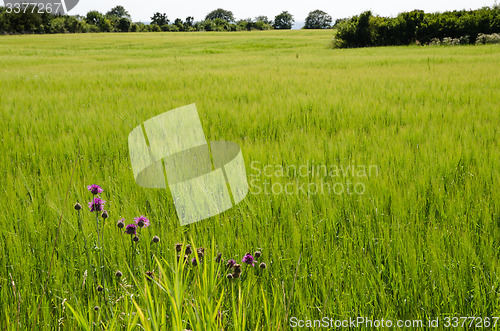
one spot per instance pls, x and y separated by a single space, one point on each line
420 242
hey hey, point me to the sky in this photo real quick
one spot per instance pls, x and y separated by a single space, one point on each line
144 9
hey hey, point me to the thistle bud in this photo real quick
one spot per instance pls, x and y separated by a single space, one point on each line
77 206
229 276
178 247
118 274
104 215
218 258
135 239
257 254
262 265
156 239
189 250
201 252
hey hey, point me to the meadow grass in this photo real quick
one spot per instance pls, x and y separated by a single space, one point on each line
421 241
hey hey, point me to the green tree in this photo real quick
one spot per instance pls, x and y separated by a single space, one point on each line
94 17
123 24
118 11
263 19
159 19
318 19
189 21
178 23
283 21
222 14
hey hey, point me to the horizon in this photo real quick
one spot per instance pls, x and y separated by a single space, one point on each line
142 12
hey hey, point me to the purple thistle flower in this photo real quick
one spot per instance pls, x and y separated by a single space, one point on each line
248 259
121 223
96 204
131 229
230 263
142 221
95 189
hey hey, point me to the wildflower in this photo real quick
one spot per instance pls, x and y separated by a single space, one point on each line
262 265
100 288
237 269
229 276
178 247
149 275
201 252
95 189
118 274
248 259
236 275
96 308
257 254
230 263
136 238
96 204
193 262
77 206
218 258
188 249
131 229
156 239
141 221
104 214
120 224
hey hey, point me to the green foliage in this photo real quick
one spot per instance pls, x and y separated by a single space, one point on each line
284 20
159 19
263 19
123 25
318 19
222 14
416 27
25 22
94 17
118 11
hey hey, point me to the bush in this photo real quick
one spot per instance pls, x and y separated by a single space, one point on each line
493 38
57 25
449 28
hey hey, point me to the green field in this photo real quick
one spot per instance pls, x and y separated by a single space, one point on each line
420 242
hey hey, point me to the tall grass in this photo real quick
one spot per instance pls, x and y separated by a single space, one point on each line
421 242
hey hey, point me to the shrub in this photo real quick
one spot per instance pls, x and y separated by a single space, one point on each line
493 38
449 28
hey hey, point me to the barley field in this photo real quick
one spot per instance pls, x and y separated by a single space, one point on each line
374 181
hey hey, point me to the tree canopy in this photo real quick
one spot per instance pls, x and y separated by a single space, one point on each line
224 15
159 19
318 19
118 11
283 21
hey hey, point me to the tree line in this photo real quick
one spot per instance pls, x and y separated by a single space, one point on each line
417 27
30 20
